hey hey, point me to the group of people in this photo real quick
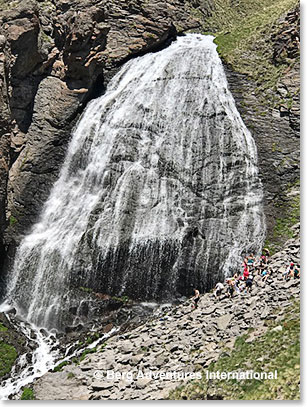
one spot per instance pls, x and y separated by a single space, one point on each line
242 282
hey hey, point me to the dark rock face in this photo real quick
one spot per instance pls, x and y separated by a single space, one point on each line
286 46
55 56
277 143
4 144
9 335
276 130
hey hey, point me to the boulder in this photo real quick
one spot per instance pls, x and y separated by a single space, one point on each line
223 321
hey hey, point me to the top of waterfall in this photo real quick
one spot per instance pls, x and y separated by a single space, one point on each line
195 40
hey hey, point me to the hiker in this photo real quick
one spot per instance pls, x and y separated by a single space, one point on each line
218 290
265 274
237 284
289 272
196 298
249 283
257 265
262 264
230 287
296 273
246 273
251 261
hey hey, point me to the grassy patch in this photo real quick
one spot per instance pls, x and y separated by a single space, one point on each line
283 226
86 289
90 339
276 350
12 220
3 328
243 30
27 394
124 299
8 355
86 352
59 367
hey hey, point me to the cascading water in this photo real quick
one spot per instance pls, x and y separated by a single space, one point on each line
159 190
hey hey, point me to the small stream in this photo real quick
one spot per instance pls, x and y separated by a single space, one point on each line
28 366
49 349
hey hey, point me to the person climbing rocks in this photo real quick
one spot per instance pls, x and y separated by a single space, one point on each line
219 288
196 298
251 261
237 284
289 272
230 287
246 272
265 274
249 283
296 273
262 265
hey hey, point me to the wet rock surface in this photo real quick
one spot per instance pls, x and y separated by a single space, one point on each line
11 336
54 57
181 341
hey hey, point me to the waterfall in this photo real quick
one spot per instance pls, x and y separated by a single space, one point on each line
159 191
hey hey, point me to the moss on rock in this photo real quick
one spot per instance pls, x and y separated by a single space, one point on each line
243 31
290 209
8 355
27 394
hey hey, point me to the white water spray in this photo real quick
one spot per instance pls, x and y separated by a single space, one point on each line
159 190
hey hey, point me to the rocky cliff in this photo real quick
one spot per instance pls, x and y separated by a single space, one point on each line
57 55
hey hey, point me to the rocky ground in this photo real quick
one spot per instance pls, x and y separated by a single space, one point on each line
183 340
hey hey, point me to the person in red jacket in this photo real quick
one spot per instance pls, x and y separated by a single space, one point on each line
245 273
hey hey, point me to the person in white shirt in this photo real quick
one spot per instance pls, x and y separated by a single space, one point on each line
218 290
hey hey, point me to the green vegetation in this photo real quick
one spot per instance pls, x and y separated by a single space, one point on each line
70 375
242 30
102 347
7 4
8 355
86 352
27 394
12 220
45 38
59 367
276 350
124 299
92 338
75 361
86 290
3 328
283 226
